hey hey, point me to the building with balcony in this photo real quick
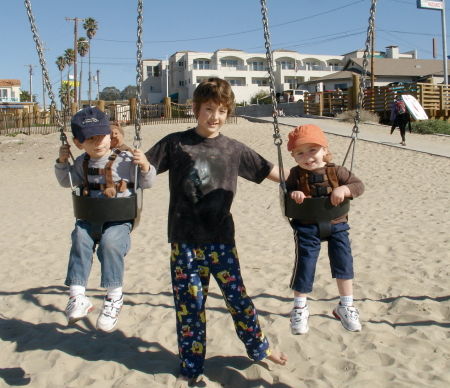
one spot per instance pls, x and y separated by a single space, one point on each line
247 73
9 93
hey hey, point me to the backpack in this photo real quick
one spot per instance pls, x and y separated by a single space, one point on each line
400 107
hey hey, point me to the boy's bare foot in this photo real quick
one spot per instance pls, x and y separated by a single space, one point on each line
278 357
184 381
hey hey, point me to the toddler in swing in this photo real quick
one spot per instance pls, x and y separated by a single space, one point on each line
203 167
99 172
313 178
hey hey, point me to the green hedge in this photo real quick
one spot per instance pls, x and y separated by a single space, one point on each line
431 127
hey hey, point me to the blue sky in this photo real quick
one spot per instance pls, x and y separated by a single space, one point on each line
309 27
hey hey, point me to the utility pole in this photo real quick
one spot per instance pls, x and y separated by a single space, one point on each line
372 71
75 49
31 81
98 85
43 80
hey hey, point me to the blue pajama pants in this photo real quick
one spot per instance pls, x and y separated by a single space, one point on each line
191 267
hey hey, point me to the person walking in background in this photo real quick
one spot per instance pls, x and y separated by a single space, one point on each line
400 117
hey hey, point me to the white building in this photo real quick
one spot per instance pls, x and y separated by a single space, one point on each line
246 72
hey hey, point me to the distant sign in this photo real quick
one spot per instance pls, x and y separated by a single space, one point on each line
430 4
71 83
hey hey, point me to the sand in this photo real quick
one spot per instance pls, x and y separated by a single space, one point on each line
400 240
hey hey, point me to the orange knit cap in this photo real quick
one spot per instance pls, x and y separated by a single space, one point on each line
304 134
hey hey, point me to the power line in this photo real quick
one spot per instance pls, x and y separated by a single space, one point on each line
235 33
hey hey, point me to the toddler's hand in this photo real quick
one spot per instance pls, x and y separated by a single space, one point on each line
64 153
338 195
140 159
298 196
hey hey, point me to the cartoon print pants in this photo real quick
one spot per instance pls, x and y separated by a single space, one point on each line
191 267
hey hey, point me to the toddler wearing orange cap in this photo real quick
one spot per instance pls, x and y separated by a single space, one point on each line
309 147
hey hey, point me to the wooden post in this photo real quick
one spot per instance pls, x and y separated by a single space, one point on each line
19 117
52 114
101 105
74 107
167 108
132 110
321 103
35 117
355 82
350 103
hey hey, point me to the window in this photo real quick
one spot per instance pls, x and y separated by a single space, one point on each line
234 82
182 83
3 92
260 82
257 66
229 62
200 65
152 71
180 63
341 86
285 65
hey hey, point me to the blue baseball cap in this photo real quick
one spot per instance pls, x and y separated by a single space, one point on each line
89 122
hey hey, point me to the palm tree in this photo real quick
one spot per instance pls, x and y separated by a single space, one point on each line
82 48
61 63
69 56
91 27
65 95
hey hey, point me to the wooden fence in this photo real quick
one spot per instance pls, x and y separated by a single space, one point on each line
45 122
434 98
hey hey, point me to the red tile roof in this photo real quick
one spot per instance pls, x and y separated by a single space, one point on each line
10 82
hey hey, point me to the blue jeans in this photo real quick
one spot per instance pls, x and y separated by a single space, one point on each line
112 248
307 249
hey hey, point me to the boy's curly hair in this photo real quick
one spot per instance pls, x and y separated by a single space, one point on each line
214 89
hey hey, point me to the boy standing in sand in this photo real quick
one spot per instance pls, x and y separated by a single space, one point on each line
203 169
103 173
309 148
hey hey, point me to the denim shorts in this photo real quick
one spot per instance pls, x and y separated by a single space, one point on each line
307 249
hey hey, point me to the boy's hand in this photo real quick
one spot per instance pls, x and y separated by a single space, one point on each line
298 196
339 194
64 153
140 159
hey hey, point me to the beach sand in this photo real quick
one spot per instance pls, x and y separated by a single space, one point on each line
400 241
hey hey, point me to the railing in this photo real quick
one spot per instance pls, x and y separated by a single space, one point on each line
9 99
434 98
31 123
325 103
45 123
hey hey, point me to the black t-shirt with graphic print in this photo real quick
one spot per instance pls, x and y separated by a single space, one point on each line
202 183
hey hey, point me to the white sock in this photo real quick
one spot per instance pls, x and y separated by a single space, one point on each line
299 301
77 290
346 300
114 293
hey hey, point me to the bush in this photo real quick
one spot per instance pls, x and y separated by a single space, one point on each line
431 126
366 115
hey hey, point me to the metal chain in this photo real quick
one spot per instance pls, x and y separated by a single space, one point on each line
137 124
277 137
362 84
278 141
40 50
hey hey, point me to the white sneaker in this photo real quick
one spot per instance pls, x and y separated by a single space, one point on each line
77 308
299 320
349 317
110 314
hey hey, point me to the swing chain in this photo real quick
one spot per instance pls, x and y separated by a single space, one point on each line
40 50
362 82
137 125
277 137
